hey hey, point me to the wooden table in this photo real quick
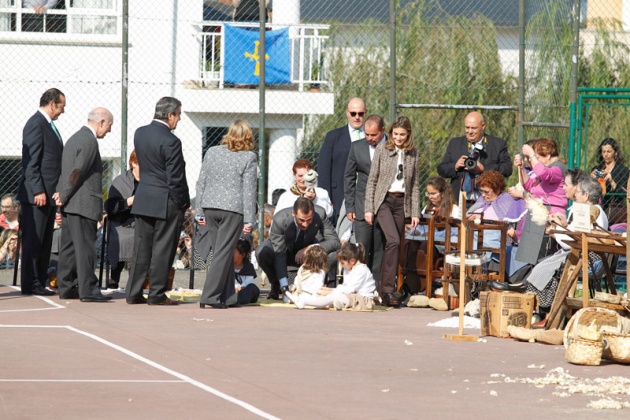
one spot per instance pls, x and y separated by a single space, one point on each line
598 241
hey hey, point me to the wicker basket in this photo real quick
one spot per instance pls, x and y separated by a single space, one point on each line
584 352
619 347
607 297
608 320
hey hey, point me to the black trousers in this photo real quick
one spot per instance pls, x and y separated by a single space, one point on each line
77 257
37 235
371 236
224 228
391 216
154 246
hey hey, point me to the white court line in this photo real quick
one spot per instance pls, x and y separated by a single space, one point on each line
158 366
54 305
124 381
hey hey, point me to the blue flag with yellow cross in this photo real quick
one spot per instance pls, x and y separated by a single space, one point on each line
242 59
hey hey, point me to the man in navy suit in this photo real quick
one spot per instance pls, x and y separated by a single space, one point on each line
80 194
331 163
489 153
42 149
160 202
356 177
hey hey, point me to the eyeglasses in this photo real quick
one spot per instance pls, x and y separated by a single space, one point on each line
433 194
399 176
360 114
486 192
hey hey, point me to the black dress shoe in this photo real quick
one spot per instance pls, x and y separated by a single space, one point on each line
497 285
213 305
72 294
520 287
40 291
391 299
165 302
96 298
274 293
137 301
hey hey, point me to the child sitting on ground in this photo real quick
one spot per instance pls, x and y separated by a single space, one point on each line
357 290
244 274
312 273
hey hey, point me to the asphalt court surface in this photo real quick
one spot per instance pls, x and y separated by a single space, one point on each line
71 360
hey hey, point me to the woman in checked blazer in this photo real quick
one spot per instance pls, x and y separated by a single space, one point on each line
392 195
226 202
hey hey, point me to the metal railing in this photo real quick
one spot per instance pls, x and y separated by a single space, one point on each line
99 17
307 53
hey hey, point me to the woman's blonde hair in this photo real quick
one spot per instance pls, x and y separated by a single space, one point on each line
239 137
400 122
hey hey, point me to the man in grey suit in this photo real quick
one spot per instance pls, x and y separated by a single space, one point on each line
356 177
160 202
42 148
79 194
292 232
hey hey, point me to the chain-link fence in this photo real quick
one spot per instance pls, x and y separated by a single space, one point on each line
510 59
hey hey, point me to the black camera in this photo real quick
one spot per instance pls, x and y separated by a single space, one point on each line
471 161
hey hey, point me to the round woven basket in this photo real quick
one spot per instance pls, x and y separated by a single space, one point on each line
581 319
618 347
584 352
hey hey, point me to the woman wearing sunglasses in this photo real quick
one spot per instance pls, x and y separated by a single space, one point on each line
392 195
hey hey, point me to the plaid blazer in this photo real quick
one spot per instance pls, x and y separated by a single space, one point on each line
382 174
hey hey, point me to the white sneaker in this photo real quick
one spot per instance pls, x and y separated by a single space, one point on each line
339 305
295 299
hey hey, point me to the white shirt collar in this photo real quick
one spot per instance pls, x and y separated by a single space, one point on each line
353 137
45 115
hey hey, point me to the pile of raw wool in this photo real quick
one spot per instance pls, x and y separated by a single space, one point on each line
609 390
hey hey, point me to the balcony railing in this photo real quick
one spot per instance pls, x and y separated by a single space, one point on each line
306 44
99 17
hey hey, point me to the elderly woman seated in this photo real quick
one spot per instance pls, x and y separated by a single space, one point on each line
304 188
496 204
542 280
122 222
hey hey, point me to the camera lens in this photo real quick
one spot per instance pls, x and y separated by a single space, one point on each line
470 163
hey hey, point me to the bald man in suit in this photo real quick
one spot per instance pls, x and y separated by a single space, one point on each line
333 156
80 196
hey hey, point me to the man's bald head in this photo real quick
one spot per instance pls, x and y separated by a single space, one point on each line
101 120
355 112
475 126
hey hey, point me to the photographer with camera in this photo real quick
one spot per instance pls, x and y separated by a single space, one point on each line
469 156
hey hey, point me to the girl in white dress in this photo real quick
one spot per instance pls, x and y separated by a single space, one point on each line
312 273
357 290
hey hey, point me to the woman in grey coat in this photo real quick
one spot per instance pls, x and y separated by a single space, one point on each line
226 203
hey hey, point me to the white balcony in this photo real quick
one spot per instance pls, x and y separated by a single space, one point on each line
307 43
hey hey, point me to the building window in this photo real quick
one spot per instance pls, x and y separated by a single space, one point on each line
212 136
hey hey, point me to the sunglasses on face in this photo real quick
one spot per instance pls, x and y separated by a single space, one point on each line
360 114
399 176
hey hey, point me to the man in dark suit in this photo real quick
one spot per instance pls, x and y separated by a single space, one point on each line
292 232
41 166
80 195
331 163
488 152
357 174
160 202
